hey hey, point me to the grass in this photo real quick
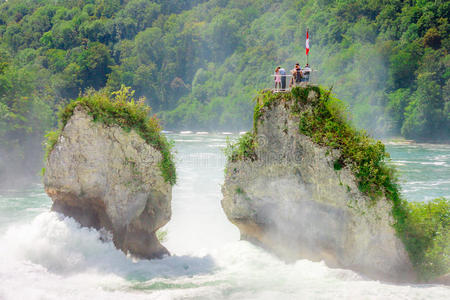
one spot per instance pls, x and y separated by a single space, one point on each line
120 108
422 227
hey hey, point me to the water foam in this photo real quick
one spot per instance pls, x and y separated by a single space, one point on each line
48 256
52 257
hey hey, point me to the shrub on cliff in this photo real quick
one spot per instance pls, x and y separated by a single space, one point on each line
426 234
120 108
243 149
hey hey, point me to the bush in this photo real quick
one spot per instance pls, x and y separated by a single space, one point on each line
120 108
243 149
426 235
50 141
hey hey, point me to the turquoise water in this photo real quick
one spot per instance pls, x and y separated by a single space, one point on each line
46 256
424 170
18 206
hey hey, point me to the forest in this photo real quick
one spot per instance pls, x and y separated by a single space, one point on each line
200 63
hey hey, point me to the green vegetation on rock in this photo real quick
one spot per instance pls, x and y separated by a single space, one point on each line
426 235
244 148
161 235
424 228
120 108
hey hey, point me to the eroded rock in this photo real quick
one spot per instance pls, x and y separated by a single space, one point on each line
292 201
105 177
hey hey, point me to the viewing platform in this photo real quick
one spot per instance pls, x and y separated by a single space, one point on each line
287 81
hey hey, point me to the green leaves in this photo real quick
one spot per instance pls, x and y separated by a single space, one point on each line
51 138
243 149
426 234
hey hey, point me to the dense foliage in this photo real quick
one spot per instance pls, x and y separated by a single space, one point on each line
244 148
120 108
426 234
423 227
198 62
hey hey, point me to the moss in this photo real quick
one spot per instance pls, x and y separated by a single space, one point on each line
120 108
161 235
423 228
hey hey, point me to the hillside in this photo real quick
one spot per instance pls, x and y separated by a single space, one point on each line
199 62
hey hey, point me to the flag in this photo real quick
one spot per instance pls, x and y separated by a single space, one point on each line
307 42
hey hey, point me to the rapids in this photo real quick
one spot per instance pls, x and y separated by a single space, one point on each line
44 255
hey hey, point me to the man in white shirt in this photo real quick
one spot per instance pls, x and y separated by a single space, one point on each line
306 73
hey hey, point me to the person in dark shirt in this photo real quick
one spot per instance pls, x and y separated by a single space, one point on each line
283 78
298 74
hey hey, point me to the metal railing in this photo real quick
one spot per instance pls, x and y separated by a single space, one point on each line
290 82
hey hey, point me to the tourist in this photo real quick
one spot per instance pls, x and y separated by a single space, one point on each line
306 73
283 78
291 82
298 74
277 78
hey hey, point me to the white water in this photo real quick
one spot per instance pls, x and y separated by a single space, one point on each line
46 256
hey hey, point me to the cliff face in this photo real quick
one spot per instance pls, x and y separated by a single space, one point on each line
288 197
105 177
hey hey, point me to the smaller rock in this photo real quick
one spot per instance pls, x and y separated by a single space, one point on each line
105 177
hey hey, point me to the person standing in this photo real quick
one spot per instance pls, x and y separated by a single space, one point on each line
298 74
277 79
283 78
306 73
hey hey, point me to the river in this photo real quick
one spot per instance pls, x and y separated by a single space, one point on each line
46 256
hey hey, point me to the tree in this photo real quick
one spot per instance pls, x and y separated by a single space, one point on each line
142 11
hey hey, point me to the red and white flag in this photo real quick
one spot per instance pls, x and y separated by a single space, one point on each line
307 42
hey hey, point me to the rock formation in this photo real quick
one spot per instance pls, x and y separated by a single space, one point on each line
105 177
289 198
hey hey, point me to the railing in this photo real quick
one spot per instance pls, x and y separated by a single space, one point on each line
290 82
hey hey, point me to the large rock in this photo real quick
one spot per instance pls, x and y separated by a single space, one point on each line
292 201
107 178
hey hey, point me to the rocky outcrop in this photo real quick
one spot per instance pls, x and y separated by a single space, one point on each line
105 177
289 199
